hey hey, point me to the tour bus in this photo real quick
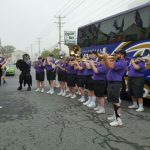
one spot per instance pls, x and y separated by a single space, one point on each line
128 30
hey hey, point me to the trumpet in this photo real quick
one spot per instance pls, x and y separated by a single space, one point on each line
101 56
144 58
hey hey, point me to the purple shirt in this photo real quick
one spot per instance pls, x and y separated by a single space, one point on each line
70 69
81 72
62 65
39 69
88 72
101 74
118 71
95 59
48 67
137 73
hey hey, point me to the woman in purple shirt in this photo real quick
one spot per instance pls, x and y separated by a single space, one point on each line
136 82
80 66
39 69
3 64
61 69
50 72
89 84
99 78
71 77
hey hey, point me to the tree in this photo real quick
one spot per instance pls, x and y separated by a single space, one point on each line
2 50
9 49
45 53
55 52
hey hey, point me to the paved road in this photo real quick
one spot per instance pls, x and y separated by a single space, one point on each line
38 121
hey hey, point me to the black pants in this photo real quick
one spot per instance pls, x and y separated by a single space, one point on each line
25 78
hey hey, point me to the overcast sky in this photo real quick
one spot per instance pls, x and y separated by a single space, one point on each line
22 21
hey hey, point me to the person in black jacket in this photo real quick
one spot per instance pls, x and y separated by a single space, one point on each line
25 77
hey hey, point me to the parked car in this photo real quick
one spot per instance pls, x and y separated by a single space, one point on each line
10 69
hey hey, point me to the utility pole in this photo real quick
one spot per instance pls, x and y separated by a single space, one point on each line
60 23
31 51
39 44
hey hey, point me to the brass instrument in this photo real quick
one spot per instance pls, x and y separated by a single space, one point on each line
74 50
101 56
78 59
145 59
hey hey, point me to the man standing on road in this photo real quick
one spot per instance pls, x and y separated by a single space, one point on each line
25 67
114 78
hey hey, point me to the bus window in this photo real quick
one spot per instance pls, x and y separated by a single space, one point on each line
131 37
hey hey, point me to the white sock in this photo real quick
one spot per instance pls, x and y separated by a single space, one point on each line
90 98
93 98
119 100
135 103
140 105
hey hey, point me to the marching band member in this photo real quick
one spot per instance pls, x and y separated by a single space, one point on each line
3 64
50 72
136 82
4 75
71 77
61 68
114 78
80 79
89 82
99 78
40 74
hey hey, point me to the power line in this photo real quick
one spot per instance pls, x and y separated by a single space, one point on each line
112 11
91 14
64 6
31 51
84 9
69 12
69 7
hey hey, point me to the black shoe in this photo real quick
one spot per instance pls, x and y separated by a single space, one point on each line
4 81
19 88
29 88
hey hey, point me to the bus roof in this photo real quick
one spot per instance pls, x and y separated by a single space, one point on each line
119 14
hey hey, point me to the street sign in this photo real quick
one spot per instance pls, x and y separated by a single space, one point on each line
69 37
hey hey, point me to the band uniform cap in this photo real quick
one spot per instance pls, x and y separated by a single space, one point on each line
121 52
94 52
39 57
